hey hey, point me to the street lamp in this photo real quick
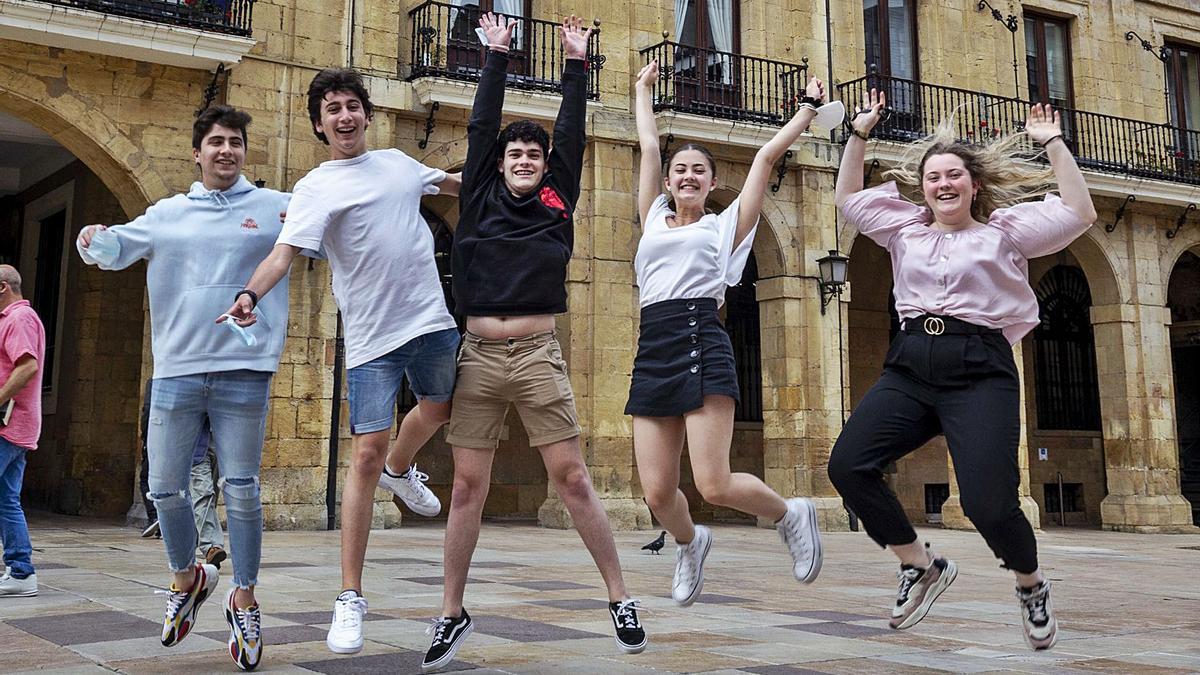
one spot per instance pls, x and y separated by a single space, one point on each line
832 269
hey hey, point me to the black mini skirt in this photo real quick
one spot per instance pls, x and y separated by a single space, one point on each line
684 354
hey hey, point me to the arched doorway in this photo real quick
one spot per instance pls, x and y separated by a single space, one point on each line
88 449
1066 467
1183 301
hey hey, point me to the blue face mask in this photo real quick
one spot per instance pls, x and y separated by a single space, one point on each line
246 336
104 248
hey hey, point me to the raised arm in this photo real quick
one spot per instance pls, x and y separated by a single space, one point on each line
755 187
484 125
1044 128
850 173
570 133
266 275
650 172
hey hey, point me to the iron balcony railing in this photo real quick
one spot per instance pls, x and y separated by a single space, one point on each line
444 44
725 85
1100 142
218 16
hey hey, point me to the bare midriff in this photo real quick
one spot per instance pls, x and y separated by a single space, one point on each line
500 327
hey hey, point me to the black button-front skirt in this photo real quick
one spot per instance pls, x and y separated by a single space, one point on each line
684 354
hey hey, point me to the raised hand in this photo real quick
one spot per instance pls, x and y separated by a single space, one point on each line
815 89
648 75
1042 124
869 113
86 234
498 34
574 38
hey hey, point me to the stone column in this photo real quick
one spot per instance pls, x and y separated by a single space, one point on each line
1141 455
802 388
952 514
599 338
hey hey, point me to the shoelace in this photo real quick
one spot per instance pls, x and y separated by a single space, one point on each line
908 578
686 563
250 621
1035 605
437 628
626 616
790 531
348 613
415 477
175 599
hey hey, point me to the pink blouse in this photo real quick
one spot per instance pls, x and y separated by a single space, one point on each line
980 274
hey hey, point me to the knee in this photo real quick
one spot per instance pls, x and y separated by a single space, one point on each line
468 493
574 485
842 471
167 500
242 495
660 498
715 489
369 455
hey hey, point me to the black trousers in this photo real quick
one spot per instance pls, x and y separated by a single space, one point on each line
966 387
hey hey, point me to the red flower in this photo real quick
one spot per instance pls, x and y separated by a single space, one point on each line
551 199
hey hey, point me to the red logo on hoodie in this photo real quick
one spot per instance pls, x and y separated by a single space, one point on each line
249 224
551 199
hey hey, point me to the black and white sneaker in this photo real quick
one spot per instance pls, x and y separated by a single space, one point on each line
631 638
449 633
1037 616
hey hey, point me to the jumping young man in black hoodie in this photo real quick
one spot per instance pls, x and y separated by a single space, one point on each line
511 248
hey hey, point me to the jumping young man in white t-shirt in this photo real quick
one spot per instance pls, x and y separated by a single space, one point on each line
362 208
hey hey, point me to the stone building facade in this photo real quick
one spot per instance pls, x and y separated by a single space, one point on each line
95 112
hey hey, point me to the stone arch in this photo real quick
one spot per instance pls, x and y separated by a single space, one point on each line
1093 252
116 159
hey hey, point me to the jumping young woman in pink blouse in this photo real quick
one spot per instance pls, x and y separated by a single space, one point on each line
960 268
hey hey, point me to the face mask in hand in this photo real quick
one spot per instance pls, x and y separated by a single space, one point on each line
104 248
246 336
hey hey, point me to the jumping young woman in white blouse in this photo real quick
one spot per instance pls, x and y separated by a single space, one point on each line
684 383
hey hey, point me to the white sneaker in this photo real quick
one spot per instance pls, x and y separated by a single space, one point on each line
345 631
410 488
798 530
1037 615
689 567
13 587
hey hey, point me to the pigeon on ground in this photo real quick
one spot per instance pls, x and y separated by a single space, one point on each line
656 545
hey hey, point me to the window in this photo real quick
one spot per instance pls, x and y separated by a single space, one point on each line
707 32
1048 64
741 321
464 50
936 495
45 244
891 37
1183 85
1068 394
1072 498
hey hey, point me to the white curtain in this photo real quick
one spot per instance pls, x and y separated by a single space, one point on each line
513 9
681 11
720 22
454 12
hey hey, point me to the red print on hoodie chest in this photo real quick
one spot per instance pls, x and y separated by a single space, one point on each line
551 199
249 224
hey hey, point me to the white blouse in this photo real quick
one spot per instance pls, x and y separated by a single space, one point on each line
689 261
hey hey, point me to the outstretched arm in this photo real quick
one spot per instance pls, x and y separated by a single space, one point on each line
850 173
755 187
484 125
1044 128
268 273
570 133
650 172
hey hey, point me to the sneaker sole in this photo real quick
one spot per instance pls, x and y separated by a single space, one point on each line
1034 646
700 584
343 649
948 576
22 594
449 656
816 538
428 513
632 649
151 530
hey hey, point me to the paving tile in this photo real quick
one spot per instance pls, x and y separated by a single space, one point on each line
438 581
826 615
46 566
72 629
279 635
576 604
521 630
283 565
494 565
782 670
547 585
403 561
318 618
396 662
838 629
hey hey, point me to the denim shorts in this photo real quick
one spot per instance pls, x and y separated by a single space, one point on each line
428 360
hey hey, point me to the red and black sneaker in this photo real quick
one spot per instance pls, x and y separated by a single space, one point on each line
182 606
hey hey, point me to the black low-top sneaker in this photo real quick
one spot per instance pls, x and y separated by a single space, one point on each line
449 633
631 638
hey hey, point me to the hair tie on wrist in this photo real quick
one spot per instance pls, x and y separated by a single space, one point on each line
252 294
861 134
1059 137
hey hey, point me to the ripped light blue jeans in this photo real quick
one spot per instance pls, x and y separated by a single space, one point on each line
236 404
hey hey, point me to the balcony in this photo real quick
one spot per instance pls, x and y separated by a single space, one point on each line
444 45
1101 143
186 33
723 85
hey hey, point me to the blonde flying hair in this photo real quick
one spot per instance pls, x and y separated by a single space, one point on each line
1002 167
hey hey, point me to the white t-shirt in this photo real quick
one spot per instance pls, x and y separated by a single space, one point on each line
692 261
365 214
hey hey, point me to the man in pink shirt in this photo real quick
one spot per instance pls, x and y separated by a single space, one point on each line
22 348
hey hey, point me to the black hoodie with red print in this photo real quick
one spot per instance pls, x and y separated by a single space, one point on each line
510 253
